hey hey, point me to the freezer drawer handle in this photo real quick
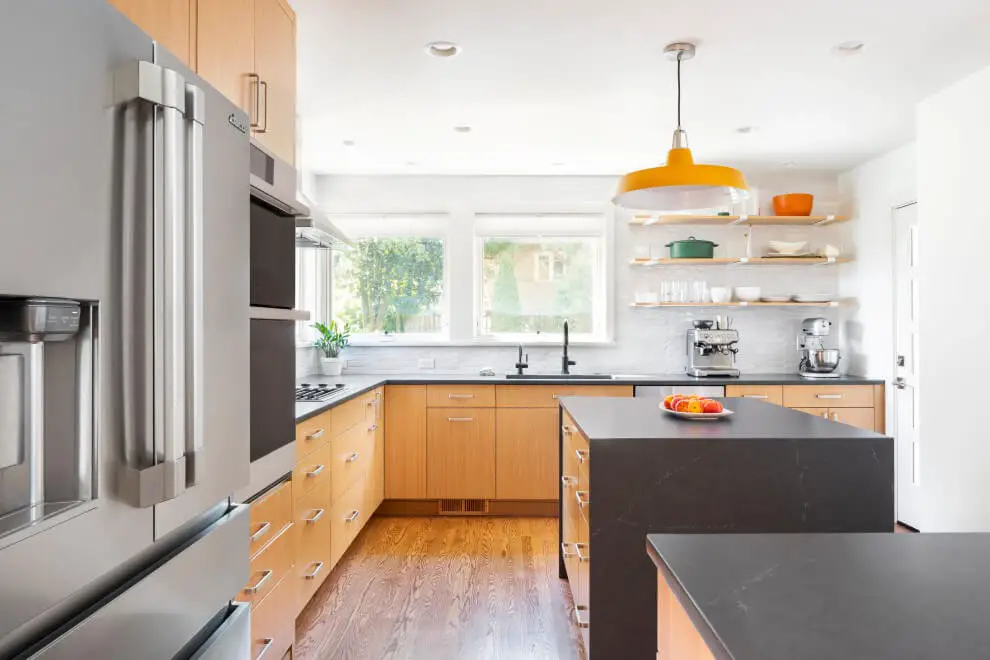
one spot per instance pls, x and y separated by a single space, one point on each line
315 472
265 576
268 642
316 571
352 457
316 516
354 516
261 531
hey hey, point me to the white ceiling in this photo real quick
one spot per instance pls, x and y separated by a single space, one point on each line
582 87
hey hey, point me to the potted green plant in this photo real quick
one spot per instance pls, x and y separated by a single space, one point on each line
332 340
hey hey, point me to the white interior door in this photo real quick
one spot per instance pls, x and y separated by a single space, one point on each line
906 344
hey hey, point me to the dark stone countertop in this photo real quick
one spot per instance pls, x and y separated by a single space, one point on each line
361 383
637 418
828 596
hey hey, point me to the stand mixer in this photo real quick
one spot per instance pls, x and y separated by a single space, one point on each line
816 360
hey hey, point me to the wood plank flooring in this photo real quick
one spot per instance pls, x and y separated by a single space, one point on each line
444 589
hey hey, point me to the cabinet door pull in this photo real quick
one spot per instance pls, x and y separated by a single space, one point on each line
582 455
373 427
267 641
354 516
755 396
316 571
460 419
583 499
460 396
582 617
264 83
315 471
265 526
352 457
256 87
318 433
828 396
583 551
253 589
316 516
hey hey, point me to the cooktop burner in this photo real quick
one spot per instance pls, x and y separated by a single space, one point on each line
322 392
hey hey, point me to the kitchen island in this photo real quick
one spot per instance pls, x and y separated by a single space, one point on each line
822 596
766 469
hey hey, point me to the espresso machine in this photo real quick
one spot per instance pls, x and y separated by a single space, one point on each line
712 350
816 360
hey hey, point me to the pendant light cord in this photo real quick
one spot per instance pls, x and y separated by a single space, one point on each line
678 91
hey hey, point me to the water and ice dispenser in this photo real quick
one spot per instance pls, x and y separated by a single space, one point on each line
47 381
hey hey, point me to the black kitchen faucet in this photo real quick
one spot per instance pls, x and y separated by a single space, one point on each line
565 362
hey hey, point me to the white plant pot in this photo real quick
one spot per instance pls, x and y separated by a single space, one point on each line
332 366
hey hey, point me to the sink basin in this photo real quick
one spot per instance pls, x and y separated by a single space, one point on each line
558 376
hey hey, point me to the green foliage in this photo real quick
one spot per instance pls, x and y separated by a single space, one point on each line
505 295
333 338
389 281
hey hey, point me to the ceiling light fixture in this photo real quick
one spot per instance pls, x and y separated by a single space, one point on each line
680 184
746 130
348 143
442 49
462 129
850 47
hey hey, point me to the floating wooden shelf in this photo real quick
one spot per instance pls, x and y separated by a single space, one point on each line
833 303
743 261
778 220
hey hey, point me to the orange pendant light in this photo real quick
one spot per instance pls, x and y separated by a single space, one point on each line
680 184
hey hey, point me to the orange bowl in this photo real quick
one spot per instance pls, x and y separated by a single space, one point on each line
793 204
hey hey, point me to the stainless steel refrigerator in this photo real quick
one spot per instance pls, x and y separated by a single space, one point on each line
124 400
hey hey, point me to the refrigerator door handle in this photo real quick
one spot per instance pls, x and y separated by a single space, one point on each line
195 182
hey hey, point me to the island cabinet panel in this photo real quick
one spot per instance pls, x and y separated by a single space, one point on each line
526 453
769 393
405 442
460 453
225 51
677 638
545 396
460 396
828 396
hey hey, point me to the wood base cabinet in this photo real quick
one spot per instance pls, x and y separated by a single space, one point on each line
677 638
460 453
405 442
526 454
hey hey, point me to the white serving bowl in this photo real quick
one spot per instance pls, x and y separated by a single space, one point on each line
721 294
747 293
787 247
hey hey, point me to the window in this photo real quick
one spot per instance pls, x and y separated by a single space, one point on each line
312 290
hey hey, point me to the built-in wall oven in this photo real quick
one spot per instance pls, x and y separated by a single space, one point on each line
274 210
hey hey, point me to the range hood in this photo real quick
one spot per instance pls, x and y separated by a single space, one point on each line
316 231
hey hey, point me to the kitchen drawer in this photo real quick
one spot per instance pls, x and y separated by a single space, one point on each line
769 393
545 396
351 454
269 514
832 396
312 518
347 517
269 566
460 396
351 413
312 472
313 434
273 622
863 418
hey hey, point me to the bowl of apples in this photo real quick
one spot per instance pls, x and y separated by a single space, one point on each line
695 407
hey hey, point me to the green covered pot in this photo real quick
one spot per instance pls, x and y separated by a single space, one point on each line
692 248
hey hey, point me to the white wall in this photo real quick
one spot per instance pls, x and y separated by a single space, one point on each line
870 192
646 341
953 177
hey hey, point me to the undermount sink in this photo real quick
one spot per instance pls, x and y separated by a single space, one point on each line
558 376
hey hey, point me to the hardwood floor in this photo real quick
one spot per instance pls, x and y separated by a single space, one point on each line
444 588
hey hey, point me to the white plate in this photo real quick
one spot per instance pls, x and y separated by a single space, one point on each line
775 298
813 297
699 416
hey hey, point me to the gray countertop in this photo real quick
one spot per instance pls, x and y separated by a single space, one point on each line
828 596
358 384
608 418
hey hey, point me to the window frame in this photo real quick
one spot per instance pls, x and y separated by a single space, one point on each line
323 313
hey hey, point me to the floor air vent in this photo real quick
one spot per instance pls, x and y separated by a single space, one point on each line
455 507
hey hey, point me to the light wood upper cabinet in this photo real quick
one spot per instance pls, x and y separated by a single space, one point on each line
225 50
460 453
526 453
275 64
172 23
405 442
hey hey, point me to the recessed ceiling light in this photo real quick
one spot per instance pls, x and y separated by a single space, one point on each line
442 49
348 143
557 163
790 164
462 129
746 130
850 47
411 163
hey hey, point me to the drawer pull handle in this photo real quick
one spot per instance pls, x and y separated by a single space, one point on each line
825 415
354 516
316 571
564 552
582 617
835 417
585 555
460 396
568 481
460 419
253 589
755 396
318 433
373 427
555 396
268 642
352 457
261 531
583 498
316 516
315 472
828 396
567 429
582 455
